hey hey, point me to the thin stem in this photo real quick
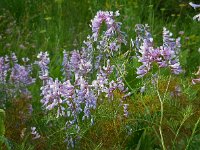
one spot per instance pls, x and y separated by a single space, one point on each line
161 117
193 132
167 87
122 75
183 121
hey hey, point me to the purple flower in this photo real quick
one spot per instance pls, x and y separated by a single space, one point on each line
113 30
85 80
35 134
165 55
43 64
142 89
194 5
4 68
125 106
14 58
12 73
51 93
20 75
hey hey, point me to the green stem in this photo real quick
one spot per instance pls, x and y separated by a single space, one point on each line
183 121
162 108
193 132
2 127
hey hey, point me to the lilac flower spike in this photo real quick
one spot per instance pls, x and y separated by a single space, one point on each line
12 73
78 94
52 96
20 75
113 27
125 106
43 64
99 19
165 55
170 51
4 68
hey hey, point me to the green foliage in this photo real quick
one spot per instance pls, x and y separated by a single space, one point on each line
29 26
2 118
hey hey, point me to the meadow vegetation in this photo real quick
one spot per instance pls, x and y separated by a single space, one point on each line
99 74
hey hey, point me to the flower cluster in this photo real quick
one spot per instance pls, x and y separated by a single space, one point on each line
4 68
100 45
165 55
20 75
76 91
76 96
113 27
15 77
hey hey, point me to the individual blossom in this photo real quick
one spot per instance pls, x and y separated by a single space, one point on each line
34 133
125 106
197 80
43 64
14 58
194 5
181 32
142 89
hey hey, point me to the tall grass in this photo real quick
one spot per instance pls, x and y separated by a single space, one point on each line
159 118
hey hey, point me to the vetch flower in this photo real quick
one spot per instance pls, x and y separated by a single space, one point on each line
194 5
142 89
43 64
12 73
125 106
35 134
86 75
165 55
4 68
